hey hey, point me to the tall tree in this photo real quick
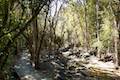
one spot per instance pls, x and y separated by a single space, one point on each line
116 9
86 26
97 27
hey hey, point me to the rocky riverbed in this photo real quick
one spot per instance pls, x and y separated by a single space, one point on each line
67 64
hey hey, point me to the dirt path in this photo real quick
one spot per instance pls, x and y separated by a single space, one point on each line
25 70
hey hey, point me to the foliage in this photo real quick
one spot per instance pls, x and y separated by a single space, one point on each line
31 24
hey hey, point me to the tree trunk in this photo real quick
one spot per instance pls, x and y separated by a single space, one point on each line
97 27
116 43
86 42
35 56
117 35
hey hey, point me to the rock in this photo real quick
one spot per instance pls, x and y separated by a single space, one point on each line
47 66
85 73
66 54
66 48
93 52
14 75
72 68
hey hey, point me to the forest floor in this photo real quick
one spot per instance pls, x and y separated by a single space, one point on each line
66 64
25 70
99 69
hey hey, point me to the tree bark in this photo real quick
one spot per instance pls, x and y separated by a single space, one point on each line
97 27
86 42
116 43
117 35
35 56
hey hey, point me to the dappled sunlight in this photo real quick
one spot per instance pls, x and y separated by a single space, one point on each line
59 40
25 70
28 77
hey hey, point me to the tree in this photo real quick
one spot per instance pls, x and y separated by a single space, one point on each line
20 27
115 8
